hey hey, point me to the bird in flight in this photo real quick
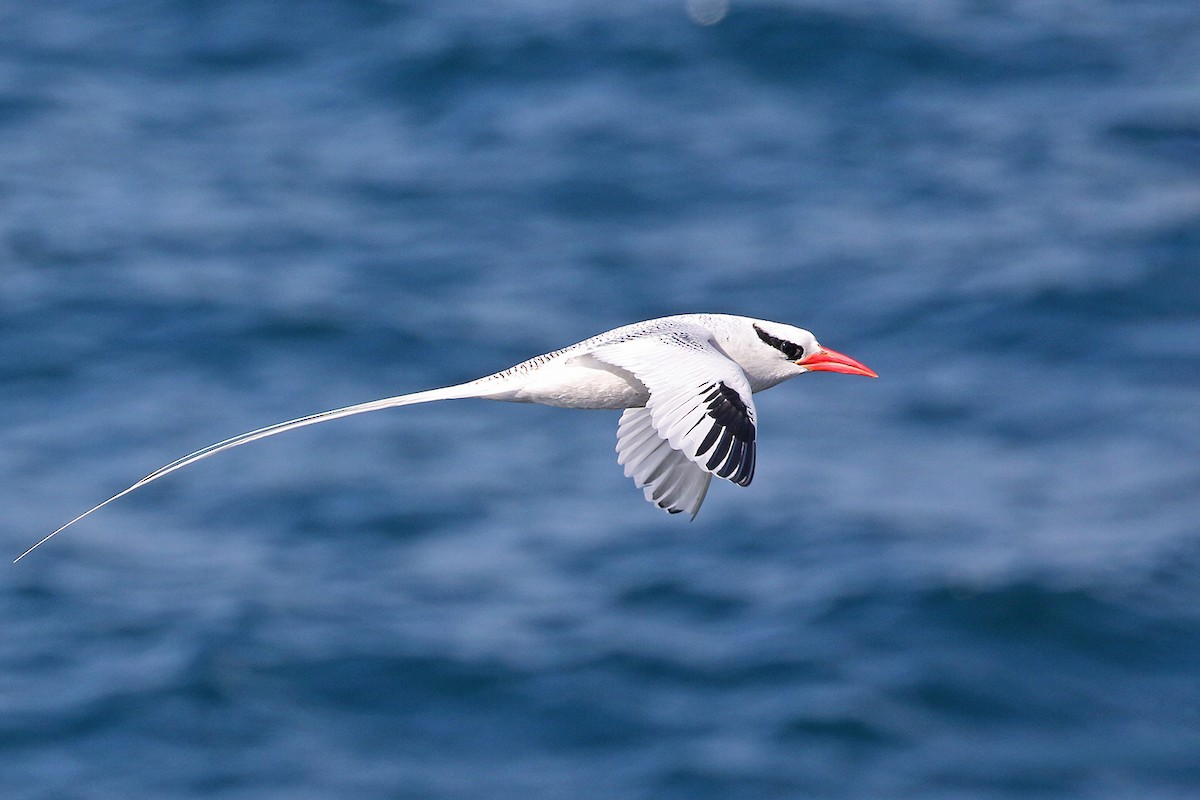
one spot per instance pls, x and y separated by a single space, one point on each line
685 384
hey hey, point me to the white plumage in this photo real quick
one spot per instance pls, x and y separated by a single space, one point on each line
685 383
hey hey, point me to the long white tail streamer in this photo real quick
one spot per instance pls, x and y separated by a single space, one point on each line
459 391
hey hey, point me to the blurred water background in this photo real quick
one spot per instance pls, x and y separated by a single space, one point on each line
976 577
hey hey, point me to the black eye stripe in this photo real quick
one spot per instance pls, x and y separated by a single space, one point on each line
789 349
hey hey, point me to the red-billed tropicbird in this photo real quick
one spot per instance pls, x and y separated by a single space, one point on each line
685 383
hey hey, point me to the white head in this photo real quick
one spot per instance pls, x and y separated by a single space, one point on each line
771 352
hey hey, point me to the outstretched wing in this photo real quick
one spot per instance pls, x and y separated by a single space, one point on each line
700 406
666 476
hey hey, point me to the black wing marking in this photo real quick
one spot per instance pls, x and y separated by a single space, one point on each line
731 438
699 399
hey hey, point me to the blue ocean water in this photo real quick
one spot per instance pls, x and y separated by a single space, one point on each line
975 577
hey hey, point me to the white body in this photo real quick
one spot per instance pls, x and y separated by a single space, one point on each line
685 383
573 378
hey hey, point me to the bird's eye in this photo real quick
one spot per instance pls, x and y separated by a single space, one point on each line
790 350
